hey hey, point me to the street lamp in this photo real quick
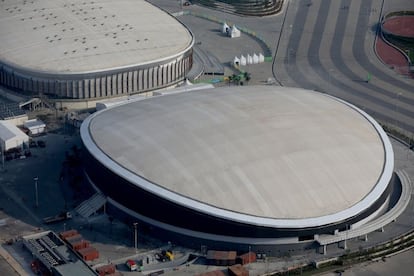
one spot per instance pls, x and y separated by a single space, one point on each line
250 249
36 192
2 154
136 236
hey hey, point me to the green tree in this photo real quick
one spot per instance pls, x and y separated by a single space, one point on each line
247 77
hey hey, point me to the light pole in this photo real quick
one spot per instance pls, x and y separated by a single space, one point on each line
290 52
136 236
346 236
2 155
36 192
250 249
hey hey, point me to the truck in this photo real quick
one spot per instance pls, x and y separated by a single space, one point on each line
60 217
132 265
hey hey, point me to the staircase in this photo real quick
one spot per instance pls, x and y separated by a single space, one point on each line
91 205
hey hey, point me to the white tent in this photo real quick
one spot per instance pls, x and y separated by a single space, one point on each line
249 59
225 29
242 60
236 61
261 58
35 126
234 32
255 58
11 136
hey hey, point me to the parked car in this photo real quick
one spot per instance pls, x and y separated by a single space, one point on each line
32 144
41 143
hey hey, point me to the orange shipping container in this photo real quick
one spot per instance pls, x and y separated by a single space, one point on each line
246 258
106 269
212 273
68 233
221 257
73 238
89 253
76 245
238 270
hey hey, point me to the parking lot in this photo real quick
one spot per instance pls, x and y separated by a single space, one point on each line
59 189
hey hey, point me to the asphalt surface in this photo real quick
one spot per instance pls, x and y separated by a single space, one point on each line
329 46
322 45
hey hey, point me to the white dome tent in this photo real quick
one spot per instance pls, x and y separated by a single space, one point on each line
261 58
234 32
255 58
243 61
225 28
236 61
249 59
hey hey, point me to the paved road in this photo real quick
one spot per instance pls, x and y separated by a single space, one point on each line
323 45
329 46
395 265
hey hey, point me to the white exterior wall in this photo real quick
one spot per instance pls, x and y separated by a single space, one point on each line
11 136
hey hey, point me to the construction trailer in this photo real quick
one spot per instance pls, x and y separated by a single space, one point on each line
35 126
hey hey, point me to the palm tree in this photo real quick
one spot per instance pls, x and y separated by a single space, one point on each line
231 78
237 79
247 77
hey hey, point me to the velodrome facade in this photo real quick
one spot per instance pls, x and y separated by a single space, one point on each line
91 49
247 165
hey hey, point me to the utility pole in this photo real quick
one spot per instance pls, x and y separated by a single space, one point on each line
2 154
36 192
136 236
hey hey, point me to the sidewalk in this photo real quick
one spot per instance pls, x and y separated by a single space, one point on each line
15 266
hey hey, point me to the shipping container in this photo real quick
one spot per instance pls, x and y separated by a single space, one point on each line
68 233
223 258
246 258
76 245
106 269
238 270
74 238
212 273
89 253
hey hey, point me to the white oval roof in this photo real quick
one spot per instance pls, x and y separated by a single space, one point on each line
81 36
261 154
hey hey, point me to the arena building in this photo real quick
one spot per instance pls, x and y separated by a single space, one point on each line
249 165
73 49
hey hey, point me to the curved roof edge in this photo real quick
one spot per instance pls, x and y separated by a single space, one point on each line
20 70
352 211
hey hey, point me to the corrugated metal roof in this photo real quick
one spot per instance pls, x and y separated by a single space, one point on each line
76 268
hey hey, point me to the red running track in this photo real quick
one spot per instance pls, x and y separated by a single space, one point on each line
392 57
401 26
